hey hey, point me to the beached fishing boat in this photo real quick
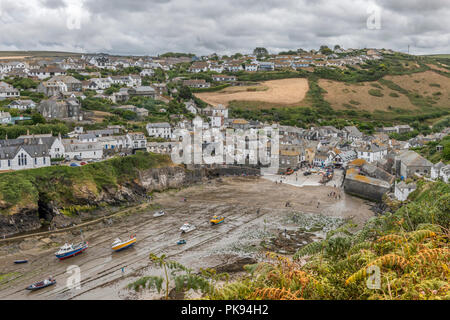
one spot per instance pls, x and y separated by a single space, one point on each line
41 284
187 228
20 261
70 250
119 245
217 220
181 242
159 213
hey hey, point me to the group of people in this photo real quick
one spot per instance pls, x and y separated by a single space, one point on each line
334 195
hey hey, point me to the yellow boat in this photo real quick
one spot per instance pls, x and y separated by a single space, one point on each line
217 219
119 245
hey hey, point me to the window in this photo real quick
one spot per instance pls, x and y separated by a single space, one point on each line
22 161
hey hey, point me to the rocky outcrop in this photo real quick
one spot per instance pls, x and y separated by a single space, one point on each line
85 197
26 220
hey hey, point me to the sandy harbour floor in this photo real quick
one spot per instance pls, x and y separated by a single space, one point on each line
254 208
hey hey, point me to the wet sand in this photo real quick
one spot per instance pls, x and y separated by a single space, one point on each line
239 199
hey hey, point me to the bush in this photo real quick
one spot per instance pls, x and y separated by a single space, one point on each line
376 93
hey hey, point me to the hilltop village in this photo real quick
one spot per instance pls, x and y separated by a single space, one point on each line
88 144
77 109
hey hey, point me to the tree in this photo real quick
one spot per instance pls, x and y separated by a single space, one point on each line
325 50
183 278
112 89
446 152
260 52
336 47
37 118
185 93
237 55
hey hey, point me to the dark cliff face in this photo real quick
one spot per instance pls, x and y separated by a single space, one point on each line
27 219
49 212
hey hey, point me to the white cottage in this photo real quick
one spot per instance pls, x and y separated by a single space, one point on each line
24 157
159 130
402 190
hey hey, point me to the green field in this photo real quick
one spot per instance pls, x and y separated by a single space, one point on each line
439 56
42 54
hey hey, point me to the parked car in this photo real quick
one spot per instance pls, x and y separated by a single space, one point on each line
74 164
307 173
77 157
83 163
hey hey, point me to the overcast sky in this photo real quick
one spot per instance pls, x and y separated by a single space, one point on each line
150 27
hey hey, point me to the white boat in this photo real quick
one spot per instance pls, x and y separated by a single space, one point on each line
187 228
70 250
159 213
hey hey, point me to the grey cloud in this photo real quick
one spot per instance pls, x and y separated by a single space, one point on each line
151 27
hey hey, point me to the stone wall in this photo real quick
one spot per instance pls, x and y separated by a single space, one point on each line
365 190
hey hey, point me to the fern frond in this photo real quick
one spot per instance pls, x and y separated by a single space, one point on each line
420 235
431 255
429 226
276 294
362 245
391 238
310 249
240 290
151 282
389 260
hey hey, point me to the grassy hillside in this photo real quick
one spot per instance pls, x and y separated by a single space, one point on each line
418 93
64 185
430 152
400 89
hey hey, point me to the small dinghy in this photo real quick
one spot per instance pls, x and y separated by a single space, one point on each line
187 228
217 220
20 261
181 242
119 245
70 250
159 213
41 284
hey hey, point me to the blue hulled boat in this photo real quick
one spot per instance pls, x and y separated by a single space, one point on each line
42 284
70 250
20 261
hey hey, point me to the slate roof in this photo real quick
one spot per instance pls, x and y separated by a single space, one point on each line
39 150
413 159
158 125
